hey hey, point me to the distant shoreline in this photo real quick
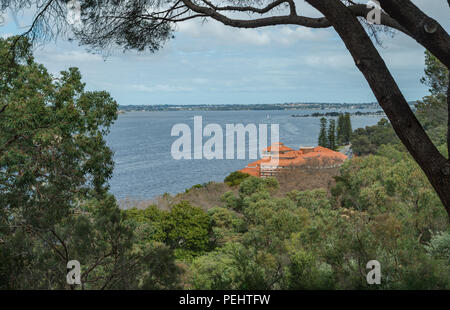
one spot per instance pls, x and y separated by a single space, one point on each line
336 114
252 107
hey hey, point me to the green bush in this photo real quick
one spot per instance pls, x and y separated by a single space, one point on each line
439 246
235 178
187 229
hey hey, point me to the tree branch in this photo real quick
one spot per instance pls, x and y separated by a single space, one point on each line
254 9
3 108
425 30
213 12
94 265
35 20
66 251
9 142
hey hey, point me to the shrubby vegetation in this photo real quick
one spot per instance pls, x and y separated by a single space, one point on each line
382 207
235 178
368 140
54 168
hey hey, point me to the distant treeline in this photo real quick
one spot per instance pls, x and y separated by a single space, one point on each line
234 107
336 114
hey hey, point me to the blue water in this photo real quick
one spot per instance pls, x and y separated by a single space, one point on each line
142 143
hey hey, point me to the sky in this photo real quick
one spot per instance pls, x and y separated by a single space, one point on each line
209 63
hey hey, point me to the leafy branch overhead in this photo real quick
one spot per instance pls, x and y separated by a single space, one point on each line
140 25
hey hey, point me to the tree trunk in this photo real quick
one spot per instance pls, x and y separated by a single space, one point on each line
448 115
389 96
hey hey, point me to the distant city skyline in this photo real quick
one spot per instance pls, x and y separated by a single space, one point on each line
213 64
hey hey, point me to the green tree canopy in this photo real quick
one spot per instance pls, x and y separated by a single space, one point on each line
368 140
347 128
332 135
54 168
235 178
432 110
323 139
188 229
340 129
436 75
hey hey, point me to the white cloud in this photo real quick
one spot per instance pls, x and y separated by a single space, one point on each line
217 31
286 35
158 88
329 60
200 81
76 56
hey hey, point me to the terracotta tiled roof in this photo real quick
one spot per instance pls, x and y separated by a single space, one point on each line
319 156
252 171
280 147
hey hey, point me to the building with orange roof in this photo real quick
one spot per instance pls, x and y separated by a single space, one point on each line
276 149
277 157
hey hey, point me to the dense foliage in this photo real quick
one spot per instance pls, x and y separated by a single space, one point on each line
235 178
369 139
432 112
332 135
344 129
336 135
54 168
382 208
323 138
